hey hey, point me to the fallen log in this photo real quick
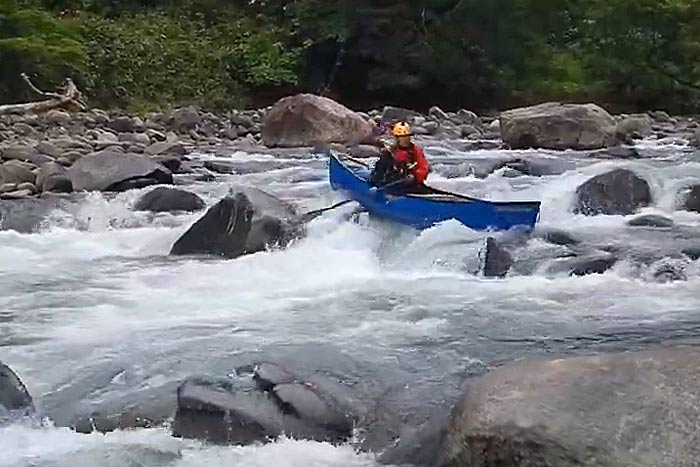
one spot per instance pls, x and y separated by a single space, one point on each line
70 99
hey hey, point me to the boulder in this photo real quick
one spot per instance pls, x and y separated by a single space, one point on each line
650 220
625 409
692 199
185 120
24 153
304 119
467 117
14 397
58 117
592 263
436 113
497 260
48 148
695 140
633 127
619 192
558 126
16 172
165 199
112 171
138 138
244 222
392 114
217 411
172 148
124 124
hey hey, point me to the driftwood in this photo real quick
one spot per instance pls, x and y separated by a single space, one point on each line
70 98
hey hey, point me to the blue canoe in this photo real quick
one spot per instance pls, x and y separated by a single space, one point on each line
425 210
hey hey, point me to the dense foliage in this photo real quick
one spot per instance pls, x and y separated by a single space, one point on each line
627 54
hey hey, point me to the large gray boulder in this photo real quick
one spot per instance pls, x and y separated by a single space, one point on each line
110 170
630 409
306 119
246 221
558 126
14 397
618 192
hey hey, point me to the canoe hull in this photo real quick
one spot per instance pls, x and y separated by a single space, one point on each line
422 211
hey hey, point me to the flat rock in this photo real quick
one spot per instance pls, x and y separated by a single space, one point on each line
558 126
626 409
165 199
650 220
19 194
113 171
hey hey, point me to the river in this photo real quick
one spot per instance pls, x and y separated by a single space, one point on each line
93 313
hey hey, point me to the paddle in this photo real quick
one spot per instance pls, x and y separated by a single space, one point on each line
311 214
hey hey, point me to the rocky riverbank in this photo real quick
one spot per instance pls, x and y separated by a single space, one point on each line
49 152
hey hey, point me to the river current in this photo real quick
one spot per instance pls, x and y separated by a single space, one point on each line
93 312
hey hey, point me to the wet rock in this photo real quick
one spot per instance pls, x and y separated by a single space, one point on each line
595 263
220 167
14 397
417 446
268 375
211 410
246 221
589 410
540 167
692 199
557 126
304 119
692 252
16 172
619 152
497 260
172 163
112 171
633 127
669 270
619 192
25 215
650 220
216 411
57 184
164 199
556 237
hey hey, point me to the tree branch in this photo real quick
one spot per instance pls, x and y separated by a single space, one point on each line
70 98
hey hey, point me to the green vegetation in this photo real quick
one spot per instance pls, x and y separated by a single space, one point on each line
143 54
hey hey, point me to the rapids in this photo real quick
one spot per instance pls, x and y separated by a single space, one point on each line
94 314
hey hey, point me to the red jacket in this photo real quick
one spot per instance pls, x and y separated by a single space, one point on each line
412 154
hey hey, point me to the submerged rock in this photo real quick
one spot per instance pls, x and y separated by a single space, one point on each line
650 220
217 411
633 409
617 192
594 263
497 260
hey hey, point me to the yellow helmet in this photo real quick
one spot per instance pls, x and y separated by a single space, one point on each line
401 129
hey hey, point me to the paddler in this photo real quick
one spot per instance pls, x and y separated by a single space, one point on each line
403 164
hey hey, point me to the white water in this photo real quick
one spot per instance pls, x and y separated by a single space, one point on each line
92 311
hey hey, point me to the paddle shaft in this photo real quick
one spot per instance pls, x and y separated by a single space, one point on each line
314 213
